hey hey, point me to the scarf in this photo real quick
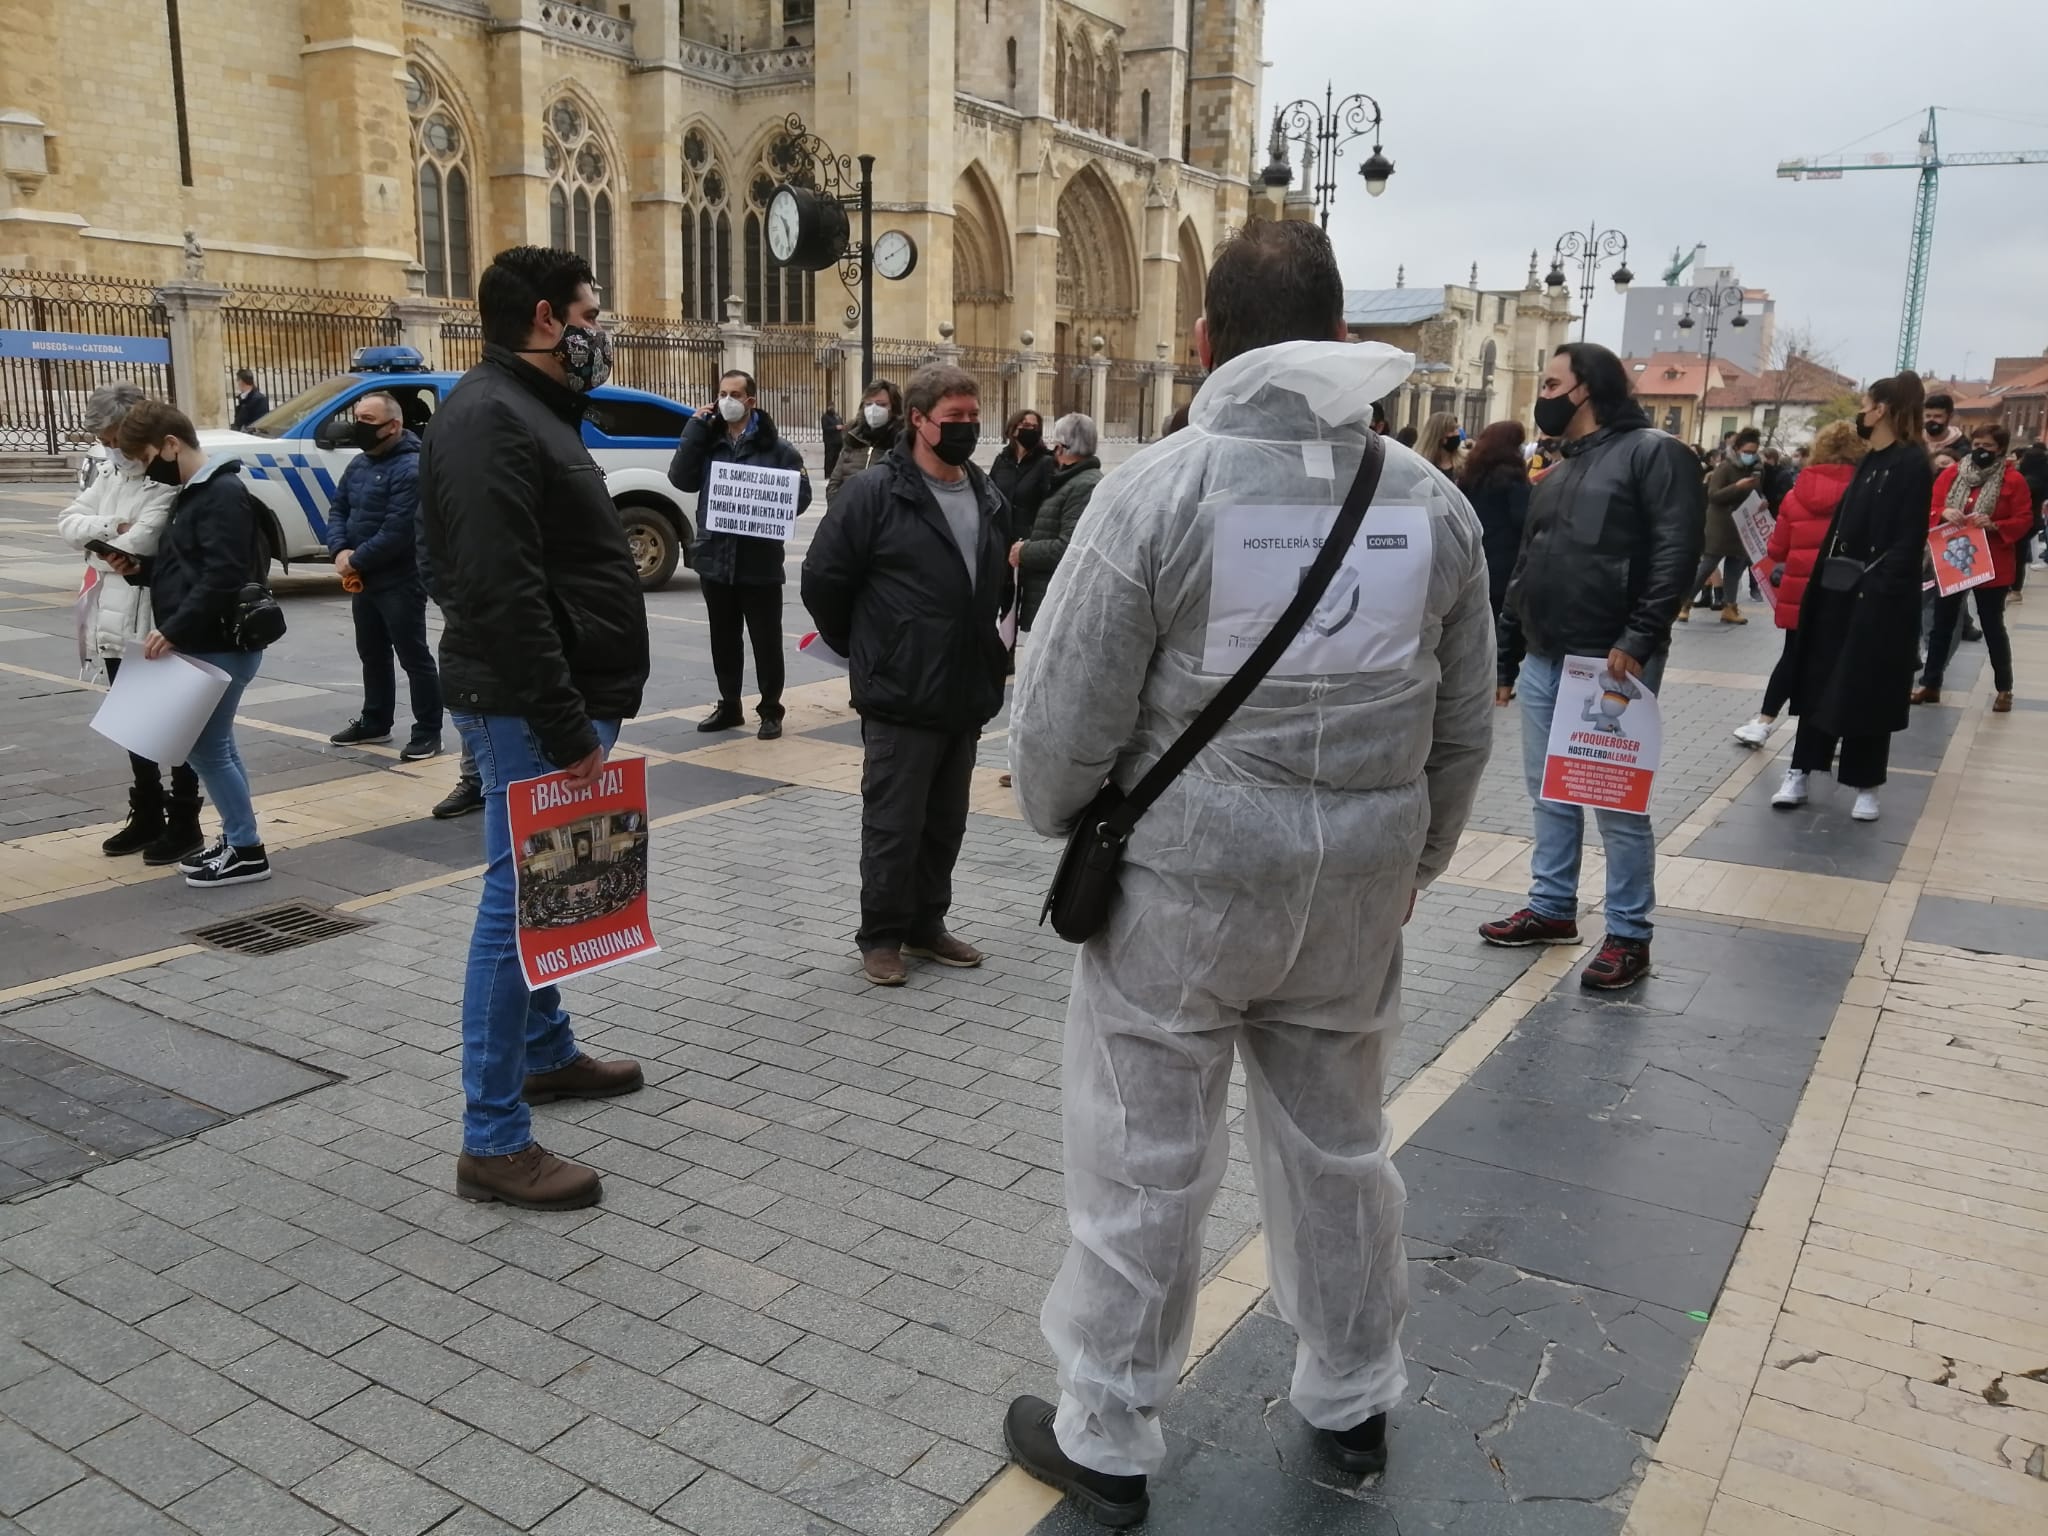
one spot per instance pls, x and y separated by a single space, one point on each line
1969 478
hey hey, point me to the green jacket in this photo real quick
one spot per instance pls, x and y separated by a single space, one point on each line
1058 515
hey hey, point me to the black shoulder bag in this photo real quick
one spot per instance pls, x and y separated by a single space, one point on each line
1084 887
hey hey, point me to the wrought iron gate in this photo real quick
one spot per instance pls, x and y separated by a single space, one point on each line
42 400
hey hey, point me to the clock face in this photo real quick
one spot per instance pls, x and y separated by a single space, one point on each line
895 255
785 224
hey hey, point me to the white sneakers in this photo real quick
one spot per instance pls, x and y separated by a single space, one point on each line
1866 806
1792 792
1757 732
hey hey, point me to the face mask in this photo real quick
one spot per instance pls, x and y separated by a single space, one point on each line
120 464
957 441
1864 428
731 409
1029 438
1554 413
1746 458
1936 428
1983 458
876 416
163 471
367 435
586 354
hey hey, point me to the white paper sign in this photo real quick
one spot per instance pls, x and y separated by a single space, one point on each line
750 499
1753 524
156 709
1606 739
1370 619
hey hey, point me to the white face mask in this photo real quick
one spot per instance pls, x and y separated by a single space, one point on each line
120 464
876 416
731 409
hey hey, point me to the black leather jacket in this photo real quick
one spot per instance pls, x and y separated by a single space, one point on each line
528 560
1610 549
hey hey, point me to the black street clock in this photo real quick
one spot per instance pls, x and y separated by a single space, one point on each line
806 229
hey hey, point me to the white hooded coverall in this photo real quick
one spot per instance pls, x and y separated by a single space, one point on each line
1262 900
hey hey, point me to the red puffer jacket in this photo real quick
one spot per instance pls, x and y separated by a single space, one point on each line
2011 516
1801 529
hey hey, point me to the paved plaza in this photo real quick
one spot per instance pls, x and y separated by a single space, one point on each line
1755 1248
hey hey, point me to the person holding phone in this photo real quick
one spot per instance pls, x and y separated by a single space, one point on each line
124 512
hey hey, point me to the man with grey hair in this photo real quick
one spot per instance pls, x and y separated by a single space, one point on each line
907 578
372 533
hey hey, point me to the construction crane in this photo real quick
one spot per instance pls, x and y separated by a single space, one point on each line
1928 160
1679 263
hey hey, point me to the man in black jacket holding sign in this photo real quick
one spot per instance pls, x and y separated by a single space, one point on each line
741 573
543 654
907 577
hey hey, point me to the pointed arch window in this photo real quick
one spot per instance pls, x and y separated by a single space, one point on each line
707 231
580 199
441 186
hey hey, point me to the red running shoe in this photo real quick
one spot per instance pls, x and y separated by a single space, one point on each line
1620 963
1524 928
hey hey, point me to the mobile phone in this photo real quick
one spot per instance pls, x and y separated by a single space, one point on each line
105 550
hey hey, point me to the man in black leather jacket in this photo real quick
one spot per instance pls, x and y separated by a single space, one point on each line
543 654
906 577
1609 552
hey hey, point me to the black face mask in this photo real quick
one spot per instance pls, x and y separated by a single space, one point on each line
163 471
1864 428
1983 458
957 441
1554 413
1936 428
1028 438
367 435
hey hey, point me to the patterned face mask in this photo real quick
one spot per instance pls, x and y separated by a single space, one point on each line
586 354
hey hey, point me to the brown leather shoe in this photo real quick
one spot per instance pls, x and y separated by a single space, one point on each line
583 1078
947 950
1732 615
534 1178
2002 705
1685 613
1926 696
883 965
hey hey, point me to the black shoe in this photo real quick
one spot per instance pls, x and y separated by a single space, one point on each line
231 866
144 826
727 717
1361 1448
202 856
771 728
466 796
423 745
360 732
1112 1501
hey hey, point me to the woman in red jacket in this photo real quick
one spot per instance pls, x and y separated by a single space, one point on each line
1794 548
1981 492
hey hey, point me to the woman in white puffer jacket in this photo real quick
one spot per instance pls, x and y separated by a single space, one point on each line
124 508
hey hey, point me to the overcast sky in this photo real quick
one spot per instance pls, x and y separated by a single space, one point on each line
1510 122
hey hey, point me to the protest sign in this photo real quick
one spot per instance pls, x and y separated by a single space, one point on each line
1753 524
1962 558
579 865
749 499
156 709
1593 757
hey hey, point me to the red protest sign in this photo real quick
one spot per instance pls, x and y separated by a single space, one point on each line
579 862
1962 558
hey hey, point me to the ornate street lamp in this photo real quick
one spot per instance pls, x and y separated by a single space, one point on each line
1710 301
1322 133
1590 250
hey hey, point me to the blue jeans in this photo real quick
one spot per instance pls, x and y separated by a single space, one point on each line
1629 841
508 1032
214 757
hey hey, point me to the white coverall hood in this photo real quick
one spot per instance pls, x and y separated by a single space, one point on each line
1264 892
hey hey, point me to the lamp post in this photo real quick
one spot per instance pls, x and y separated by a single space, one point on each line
1590 250
1322 133
1711 301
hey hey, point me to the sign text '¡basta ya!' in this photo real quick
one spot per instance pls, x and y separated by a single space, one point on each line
552 795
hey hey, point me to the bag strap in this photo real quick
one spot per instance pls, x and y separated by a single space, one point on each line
1247 677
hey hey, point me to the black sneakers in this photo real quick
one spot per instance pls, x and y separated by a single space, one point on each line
231 866
421 746
466 796
192 863
1116 1502
358 733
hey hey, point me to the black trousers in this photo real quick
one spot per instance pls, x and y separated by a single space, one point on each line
148 777
914 786
1948 613
392 618
1779 689
1864 758
737 612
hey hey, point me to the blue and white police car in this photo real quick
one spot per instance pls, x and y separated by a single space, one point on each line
293 457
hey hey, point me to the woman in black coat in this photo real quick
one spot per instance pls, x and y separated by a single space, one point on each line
1858 638
1496 482
1023 470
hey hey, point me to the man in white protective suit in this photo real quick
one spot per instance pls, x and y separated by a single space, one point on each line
1264 893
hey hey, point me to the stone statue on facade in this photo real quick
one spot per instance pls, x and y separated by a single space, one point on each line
195 256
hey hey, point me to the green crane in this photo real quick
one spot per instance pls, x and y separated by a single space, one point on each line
1679 263
1928 160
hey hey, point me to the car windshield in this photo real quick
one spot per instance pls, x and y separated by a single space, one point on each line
308 404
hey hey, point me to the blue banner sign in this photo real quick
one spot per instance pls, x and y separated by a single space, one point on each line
70 346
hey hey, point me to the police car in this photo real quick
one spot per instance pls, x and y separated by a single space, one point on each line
293 457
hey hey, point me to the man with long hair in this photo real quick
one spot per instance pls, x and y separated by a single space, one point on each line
1610 550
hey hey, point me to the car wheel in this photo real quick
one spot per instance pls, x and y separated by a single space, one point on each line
656 546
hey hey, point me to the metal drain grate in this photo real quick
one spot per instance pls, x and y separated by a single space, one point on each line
276 929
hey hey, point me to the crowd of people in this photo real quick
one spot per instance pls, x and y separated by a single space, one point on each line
1261 862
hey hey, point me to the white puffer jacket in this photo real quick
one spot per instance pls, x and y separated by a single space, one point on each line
129 512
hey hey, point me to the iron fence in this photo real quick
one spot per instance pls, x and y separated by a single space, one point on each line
1070 389
42 400
796 373
292 338
1187 383
462 339
677 358
896 360
995 374
1127 401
